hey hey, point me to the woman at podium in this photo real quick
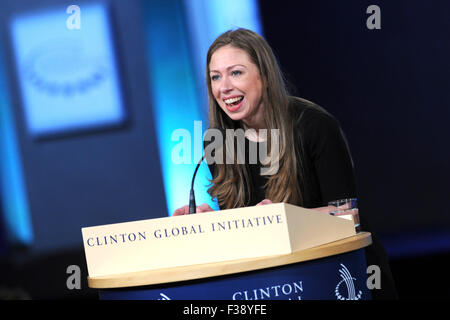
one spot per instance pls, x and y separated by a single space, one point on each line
294 150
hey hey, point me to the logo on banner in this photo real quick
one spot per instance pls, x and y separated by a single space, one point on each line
347 279
164 297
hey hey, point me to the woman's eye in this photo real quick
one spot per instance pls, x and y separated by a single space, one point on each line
214 77
236 72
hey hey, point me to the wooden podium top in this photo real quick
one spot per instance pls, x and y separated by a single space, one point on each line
199 271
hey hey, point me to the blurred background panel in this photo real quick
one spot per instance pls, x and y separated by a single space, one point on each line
80 123
95 96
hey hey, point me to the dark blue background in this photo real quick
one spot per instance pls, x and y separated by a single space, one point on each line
389 88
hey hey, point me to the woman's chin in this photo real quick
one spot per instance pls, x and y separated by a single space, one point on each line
236 116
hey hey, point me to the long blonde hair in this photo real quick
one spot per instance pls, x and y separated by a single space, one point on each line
231 183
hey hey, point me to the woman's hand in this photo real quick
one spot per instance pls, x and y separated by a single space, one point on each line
326 209
265 201
185 210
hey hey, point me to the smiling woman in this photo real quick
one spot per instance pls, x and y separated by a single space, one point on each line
236 86
246 90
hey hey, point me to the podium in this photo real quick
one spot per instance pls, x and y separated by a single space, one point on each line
269 252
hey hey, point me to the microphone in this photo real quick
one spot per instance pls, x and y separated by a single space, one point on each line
192 205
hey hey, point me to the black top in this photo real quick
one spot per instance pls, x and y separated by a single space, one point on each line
325 167
325 173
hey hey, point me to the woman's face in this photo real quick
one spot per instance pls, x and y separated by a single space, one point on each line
236 85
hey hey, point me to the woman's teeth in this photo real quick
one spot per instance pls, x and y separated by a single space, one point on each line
233 101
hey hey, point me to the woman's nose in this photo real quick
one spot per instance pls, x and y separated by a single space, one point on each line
226 85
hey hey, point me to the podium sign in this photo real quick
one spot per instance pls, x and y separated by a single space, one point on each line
336 277
259 231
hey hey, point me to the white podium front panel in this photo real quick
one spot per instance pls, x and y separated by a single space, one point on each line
208 237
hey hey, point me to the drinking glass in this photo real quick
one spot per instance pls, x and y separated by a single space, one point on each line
346 209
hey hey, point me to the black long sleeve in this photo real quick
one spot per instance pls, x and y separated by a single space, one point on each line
328 172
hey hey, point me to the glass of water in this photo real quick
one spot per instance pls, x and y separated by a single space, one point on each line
346 209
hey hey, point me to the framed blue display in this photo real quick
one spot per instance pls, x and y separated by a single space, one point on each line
67 72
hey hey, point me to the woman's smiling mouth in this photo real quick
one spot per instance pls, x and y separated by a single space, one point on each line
233 103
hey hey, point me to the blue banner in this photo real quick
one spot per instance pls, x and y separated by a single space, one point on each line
339 277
